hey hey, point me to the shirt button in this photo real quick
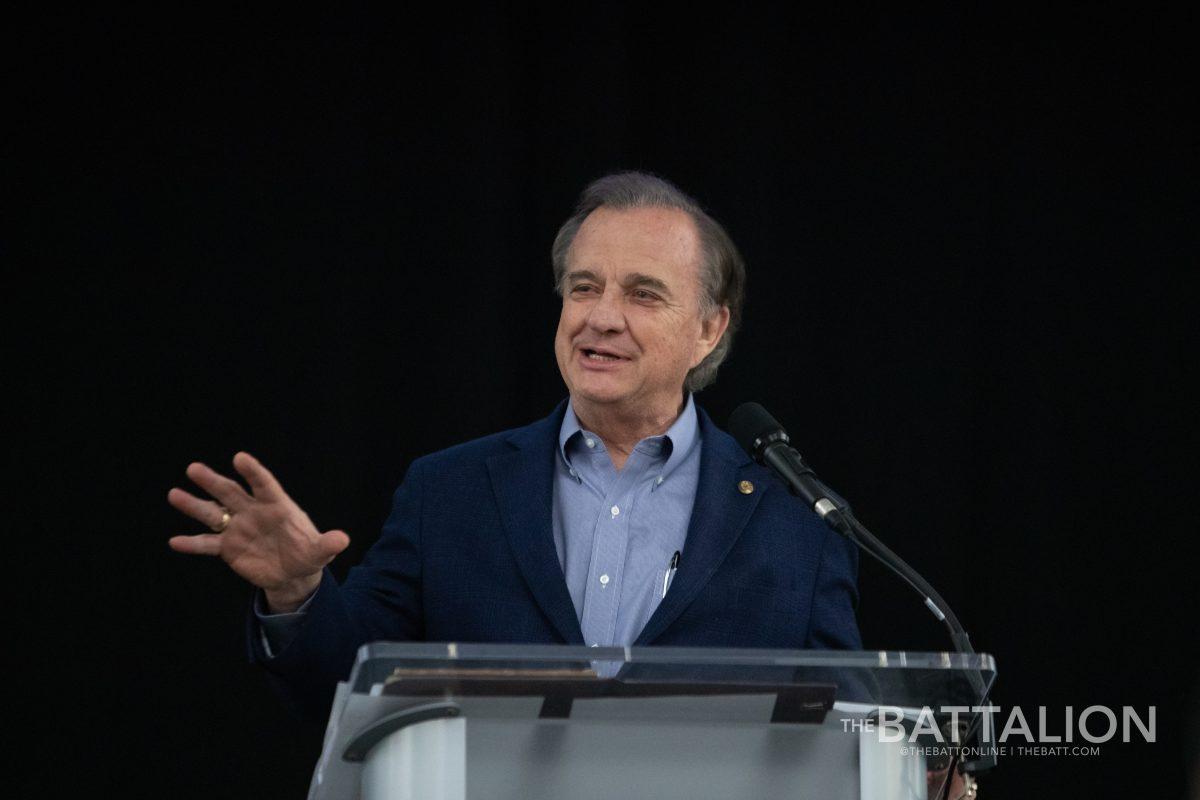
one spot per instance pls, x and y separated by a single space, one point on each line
591 442
658 480
572 473
604 580
615 510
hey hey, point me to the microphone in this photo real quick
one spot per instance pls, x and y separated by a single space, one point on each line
767 442
760 435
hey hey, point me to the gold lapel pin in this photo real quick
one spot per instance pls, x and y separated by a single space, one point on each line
745 487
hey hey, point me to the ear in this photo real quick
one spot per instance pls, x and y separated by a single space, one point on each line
711 331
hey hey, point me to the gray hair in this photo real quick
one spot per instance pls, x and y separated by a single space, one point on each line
722 270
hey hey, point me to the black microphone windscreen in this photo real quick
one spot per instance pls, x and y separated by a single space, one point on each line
750 422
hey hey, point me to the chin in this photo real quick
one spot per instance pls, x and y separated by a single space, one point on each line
600 391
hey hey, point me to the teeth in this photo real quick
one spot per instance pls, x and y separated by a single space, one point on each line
598 357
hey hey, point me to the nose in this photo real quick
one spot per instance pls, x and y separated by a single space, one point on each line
606 314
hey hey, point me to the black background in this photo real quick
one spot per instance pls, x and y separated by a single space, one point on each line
969 240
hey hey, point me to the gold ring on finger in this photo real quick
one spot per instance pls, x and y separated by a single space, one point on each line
224 523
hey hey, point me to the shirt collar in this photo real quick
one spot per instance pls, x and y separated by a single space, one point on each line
683 435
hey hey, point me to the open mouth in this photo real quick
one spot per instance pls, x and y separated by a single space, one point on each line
600 355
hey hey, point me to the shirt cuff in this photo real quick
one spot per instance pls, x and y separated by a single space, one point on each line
277 631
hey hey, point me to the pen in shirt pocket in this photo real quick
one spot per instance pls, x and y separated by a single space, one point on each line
674 565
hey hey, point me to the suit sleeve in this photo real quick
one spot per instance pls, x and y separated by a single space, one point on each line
278 630
380 600
833 624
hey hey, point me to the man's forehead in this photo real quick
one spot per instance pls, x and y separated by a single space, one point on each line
647 240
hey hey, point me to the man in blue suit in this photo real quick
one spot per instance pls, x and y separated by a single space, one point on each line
625 517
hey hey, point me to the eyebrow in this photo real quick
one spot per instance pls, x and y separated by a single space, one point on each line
633 279
581 275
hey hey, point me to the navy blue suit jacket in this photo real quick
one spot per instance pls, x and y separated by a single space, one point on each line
467 555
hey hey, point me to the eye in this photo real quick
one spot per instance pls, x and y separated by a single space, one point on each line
582 288
645 295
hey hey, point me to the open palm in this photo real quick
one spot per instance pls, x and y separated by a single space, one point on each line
268 539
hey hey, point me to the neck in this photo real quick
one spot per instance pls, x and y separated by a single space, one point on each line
621 428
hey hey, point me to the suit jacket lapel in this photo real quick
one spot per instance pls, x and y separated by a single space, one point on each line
523 483
718 517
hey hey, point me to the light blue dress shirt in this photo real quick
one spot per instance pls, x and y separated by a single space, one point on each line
615 531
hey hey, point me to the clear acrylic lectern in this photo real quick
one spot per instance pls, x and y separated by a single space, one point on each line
459 721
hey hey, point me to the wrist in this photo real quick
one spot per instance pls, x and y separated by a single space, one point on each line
289 597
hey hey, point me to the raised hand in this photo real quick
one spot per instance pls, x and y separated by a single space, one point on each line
267 538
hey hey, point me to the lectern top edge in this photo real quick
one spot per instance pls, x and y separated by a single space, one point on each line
869 659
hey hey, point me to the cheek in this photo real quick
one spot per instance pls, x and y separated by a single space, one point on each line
676 342
567 328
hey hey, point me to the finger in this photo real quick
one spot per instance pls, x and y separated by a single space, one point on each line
226 490
203 544
332 543
206 512
261 481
